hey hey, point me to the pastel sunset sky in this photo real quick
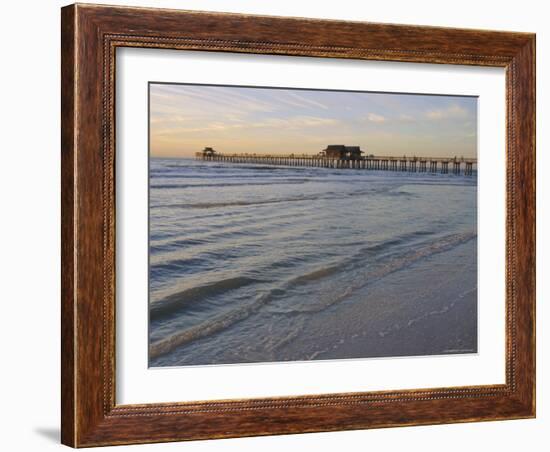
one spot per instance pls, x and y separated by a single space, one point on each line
186 118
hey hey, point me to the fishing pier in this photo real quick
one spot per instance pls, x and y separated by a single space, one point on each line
349 157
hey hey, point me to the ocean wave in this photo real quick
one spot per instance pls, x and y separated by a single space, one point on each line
192 264
225 184
175 302
207 328
329 195
214 233
154 175
213 205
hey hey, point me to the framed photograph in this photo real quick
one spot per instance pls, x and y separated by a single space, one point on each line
281 225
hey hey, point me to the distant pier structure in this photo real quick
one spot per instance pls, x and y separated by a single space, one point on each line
340 156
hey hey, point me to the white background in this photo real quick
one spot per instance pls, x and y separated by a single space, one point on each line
137 384
30 225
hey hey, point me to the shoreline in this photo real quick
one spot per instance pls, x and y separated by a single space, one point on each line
418 322
374 323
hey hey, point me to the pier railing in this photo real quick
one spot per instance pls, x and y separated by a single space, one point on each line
382 163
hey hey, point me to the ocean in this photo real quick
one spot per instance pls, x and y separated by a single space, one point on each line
256 263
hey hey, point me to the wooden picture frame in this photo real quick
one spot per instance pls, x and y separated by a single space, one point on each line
90 36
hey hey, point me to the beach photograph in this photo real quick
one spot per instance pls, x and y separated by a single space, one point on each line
308 224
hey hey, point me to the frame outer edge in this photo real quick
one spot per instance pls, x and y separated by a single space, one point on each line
525 62
86 418
68 230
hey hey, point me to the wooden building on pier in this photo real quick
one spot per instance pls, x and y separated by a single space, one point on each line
342 152
208 152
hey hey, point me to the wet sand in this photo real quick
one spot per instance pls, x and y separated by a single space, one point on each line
434 312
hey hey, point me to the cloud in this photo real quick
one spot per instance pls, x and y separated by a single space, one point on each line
296 100
277 124
303 121
373 117
452 112
197 98
404 117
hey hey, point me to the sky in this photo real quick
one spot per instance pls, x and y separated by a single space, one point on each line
184 119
